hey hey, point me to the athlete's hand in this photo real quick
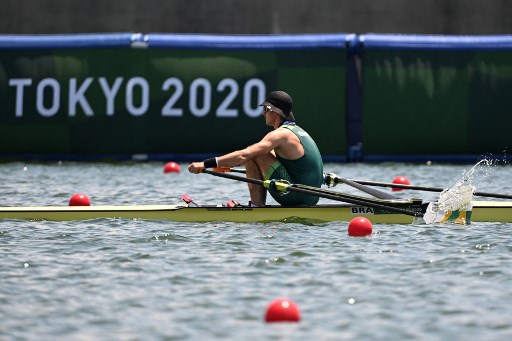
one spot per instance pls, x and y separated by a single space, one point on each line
196 167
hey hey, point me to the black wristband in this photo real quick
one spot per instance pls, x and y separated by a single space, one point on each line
210 163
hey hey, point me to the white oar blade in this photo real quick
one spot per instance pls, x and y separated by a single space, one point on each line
453 206
435 216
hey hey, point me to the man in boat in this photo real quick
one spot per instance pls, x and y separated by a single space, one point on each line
286 153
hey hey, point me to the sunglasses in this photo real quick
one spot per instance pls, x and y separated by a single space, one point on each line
267 108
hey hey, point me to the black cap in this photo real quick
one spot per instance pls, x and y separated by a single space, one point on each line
281 103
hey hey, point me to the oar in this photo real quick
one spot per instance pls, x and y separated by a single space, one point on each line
330 179
228 169
429 189
322 193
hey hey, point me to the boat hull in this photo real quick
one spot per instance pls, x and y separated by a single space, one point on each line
483 211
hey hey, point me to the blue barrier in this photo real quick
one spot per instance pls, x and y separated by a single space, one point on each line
244 42
16 41
434 42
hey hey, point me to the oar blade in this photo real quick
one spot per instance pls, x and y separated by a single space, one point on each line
436 216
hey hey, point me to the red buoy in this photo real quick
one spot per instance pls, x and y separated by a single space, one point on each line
79 199
171 167
360 227
400 180
282 310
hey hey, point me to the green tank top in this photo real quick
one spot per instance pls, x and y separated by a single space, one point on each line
308 169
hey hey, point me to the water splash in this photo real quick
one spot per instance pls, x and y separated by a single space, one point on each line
455 203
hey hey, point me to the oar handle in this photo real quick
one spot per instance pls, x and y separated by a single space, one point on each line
228 169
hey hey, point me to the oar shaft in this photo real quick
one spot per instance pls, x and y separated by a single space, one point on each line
388 184
235 177
493 195
383 195
429 189
352 201
320 193
331 178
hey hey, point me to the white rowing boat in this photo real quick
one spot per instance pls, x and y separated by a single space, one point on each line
382 208
483 211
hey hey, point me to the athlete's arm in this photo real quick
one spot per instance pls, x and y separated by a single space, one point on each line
270 142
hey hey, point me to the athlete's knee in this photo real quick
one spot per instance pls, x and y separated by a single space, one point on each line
265 161
251 165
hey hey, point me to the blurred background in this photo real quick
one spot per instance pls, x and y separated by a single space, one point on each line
257 17
372 80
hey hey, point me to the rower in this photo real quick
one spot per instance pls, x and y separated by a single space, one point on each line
287 153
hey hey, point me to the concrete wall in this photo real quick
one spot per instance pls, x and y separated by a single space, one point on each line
256 16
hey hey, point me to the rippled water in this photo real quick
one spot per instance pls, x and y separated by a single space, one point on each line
112 279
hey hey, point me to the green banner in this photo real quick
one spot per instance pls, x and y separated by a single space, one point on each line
113 101
436 102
